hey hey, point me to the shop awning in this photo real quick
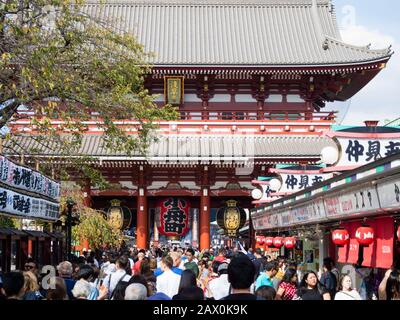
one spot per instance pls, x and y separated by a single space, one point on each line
377 255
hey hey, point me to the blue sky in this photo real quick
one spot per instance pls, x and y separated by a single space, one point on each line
377 22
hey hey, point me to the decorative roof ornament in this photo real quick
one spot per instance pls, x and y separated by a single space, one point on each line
325 45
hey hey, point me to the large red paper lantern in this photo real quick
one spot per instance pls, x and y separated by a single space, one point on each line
340 237
260 240
269 241
172 217
365 235
289 242
278 242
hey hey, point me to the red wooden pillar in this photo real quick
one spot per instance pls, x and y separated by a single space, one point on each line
205 218
141 221
30 248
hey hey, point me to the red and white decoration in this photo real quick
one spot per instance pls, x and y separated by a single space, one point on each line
340 237
278 242
289 242
260 240
365 236
172 217
269 241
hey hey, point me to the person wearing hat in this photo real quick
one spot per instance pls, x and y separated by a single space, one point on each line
219 287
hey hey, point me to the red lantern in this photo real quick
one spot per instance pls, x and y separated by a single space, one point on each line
172 217
278 242
260 240
269 241
289 242
340 237
365 236
398 233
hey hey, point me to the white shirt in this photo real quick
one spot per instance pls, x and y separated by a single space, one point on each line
219 287
115 277
348 295
168 283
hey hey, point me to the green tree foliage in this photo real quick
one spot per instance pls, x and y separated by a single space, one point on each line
6 222
96 230
92 224
58 62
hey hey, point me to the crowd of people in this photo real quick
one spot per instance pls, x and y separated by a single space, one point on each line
175 273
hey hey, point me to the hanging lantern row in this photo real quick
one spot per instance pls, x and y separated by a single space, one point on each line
365 236
277 242
260 240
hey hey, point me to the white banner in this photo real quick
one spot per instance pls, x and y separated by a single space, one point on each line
389 194
312 212
297 182
27 179
360 151
353 202
21 205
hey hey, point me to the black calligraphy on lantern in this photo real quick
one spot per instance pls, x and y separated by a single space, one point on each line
175 217
354 150
397 192
291 181
374 150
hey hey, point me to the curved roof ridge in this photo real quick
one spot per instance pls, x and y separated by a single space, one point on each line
385 52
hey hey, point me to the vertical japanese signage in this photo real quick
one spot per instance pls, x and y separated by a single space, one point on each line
173 90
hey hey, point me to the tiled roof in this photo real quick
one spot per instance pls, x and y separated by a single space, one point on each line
233 32
194 147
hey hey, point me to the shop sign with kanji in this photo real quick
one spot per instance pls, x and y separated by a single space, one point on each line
24 178
362 199
296 182
361 151
389 193
15 203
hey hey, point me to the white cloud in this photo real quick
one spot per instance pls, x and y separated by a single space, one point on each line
380 99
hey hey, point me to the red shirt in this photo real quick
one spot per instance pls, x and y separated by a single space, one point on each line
136 267
219 258
290 290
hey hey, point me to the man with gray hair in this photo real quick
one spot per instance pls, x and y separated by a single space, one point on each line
65 271
135 291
